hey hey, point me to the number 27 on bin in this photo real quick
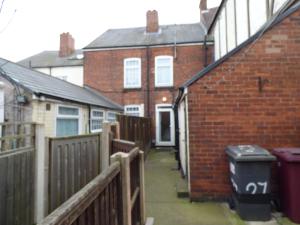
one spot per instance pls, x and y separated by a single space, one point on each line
253 187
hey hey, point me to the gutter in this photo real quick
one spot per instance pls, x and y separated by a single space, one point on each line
86 49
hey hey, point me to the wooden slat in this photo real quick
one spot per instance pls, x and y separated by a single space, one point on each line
74 163
75 207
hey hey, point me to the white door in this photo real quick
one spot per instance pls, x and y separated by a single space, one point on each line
182 137
165 134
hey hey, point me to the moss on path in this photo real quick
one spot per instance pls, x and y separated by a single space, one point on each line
162 202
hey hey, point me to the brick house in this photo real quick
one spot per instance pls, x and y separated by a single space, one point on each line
248 95
142 68
66 63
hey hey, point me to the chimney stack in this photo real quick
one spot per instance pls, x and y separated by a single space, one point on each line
67 45
203 5
152 22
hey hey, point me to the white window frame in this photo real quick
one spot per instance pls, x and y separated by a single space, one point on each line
108 112
59 116
139 75
96 118
170 84
140 107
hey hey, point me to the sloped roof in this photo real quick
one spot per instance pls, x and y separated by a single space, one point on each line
135 37
43 84
52 59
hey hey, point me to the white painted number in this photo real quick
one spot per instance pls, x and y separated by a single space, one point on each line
264 185
252 187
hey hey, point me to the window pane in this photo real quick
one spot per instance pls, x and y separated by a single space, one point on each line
96 124
132 111
241 20
96 113
231 42
164 71
223 34
217 41
111 117
68 111
258 14
132 73
278 4
66 127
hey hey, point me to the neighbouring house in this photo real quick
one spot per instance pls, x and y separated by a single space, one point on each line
142 68
65 109
66 64
250 94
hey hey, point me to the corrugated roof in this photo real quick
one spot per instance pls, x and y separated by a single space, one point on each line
43 84
52 59
135 37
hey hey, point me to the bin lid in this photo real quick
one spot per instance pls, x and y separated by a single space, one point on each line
288 154
249 153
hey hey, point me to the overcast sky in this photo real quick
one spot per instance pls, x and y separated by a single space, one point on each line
28 27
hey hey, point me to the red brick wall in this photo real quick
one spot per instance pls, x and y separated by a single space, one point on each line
103 70
227 108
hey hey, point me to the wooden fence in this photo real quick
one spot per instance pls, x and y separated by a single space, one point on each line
17 173
121 146
111 198
136 129
73 162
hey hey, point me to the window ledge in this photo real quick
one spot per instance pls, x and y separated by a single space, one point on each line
125 89
165 88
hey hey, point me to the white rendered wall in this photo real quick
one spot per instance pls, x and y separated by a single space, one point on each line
72 74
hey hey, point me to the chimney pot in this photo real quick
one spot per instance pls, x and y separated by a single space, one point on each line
67 45
152 22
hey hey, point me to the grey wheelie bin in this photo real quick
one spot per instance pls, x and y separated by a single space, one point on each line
250 173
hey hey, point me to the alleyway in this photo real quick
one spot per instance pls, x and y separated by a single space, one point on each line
162 202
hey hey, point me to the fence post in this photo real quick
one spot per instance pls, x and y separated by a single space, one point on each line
105 146
142 187
41 175
117 124
124 160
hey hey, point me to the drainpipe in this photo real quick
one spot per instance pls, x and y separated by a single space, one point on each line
148 82
205 51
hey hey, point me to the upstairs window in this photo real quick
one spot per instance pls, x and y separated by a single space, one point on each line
67 121
163 71
132 73
133 110
97 117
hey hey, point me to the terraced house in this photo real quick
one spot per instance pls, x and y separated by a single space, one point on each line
248 95
142 68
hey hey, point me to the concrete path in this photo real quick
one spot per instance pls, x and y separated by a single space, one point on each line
162 202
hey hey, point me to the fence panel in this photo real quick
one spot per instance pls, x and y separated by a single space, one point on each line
73 163
99 202
17 174
136 129
121 146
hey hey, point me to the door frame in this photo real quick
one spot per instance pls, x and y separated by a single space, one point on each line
166 108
